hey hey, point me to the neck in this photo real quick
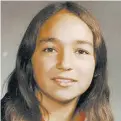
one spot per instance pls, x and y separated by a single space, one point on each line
57 110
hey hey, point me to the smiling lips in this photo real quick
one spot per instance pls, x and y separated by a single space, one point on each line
64 82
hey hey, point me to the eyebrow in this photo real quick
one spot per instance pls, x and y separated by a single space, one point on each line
47 40
55 40
84 42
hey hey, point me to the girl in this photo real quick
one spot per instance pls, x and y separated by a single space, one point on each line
60 72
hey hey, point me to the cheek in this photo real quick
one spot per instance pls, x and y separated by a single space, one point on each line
49 63
42 66
38 68
85 66
85 71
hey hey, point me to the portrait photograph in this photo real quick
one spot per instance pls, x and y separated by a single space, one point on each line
60 61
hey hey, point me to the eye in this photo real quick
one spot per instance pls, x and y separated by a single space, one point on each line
81 51
49 50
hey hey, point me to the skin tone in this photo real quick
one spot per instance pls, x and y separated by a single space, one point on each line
64 49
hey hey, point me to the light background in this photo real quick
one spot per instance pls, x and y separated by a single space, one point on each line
16 16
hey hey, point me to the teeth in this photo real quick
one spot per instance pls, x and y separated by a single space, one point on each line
64 81
65 84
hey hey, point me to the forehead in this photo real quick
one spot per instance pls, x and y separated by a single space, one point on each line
66 27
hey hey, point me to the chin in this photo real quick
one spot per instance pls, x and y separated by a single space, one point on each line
63 99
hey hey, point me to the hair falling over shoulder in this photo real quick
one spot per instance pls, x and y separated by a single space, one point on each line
20 102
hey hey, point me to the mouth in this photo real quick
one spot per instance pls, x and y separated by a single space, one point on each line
64 82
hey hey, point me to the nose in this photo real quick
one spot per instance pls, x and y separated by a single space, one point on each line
64 61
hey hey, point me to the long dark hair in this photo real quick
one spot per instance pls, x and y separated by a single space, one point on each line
20 100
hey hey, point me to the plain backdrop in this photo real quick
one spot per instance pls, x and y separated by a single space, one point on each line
16 16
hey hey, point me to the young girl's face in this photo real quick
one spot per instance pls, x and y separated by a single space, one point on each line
63 61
